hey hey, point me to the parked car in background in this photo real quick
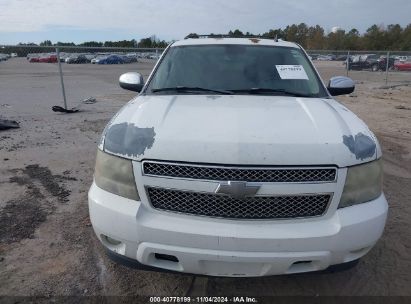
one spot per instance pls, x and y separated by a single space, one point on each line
33 59
132 56
70 58
49 58
371 62
31 55
77 59
125 58
98 58
4 57
154 56
314 56
341 58
402 65
326 57
112 59
381 64
90 56
64 56
401 58
332 56
361 62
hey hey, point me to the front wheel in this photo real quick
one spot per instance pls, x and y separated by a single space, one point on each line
374 68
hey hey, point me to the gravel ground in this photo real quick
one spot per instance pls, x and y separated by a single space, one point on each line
47 246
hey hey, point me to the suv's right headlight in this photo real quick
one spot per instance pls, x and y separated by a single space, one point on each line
115 175
363 184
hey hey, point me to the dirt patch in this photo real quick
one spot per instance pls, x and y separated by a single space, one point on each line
52 183
20 218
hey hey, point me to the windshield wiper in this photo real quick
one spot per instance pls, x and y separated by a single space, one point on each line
191 89
271 91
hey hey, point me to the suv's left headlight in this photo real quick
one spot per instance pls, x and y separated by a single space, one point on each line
363 184
115 175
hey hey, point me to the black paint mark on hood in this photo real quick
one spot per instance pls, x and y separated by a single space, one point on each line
362 146
128 139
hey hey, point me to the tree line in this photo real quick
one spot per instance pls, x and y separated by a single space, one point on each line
149 42
377 37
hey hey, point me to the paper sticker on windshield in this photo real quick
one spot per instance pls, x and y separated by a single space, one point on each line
291 72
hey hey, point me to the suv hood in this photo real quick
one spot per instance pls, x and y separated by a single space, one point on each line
240 129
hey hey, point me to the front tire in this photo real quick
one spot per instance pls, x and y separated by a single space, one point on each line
374 68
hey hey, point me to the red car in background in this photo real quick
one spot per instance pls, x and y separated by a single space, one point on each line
49 58
402 66
34 59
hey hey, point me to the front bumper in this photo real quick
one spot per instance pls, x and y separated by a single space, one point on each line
220 247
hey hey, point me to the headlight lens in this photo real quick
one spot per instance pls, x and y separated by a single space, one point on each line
363 184
115 175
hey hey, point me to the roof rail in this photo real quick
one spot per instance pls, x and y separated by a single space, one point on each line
196 36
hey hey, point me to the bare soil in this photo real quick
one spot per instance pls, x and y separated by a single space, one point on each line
47 246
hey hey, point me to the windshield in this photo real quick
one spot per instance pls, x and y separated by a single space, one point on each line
235 69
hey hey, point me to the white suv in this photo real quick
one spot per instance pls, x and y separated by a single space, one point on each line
234 160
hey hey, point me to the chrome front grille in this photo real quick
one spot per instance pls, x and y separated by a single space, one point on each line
257 207
223 173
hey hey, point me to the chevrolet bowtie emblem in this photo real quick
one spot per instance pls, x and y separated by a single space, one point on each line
239 190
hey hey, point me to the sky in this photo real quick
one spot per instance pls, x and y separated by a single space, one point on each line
100 20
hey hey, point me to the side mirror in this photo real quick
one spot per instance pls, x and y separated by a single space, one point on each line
340 85
132 81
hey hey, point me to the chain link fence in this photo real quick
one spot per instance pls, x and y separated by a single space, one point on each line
371 66
72 68
59 62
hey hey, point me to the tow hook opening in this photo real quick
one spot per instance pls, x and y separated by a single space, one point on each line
166 257
110 240
303 266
